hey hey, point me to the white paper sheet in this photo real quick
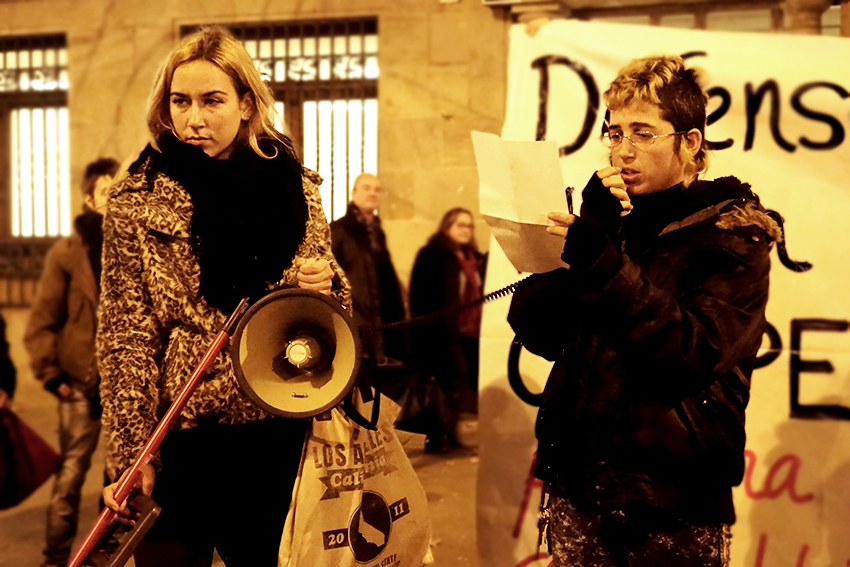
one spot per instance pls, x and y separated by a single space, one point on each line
519 184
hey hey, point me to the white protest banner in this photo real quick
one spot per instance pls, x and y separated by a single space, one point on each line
779 118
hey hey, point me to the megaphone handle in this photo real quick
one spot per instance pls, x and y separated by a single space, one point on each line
128 481
376 405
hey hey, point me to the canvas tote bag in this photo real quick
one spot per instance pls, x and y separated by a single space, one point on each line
357 500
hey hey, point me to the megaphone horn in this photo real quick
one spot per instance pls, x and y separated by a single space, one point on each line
296 353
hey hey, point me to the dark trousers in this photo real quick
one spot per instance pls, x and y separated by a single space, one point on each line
224 488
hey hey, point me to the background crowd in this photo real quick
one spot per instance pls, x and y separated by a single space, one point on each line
157 311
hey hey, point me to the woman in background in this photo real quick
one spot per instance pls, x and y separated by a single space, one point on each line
218 209
448 272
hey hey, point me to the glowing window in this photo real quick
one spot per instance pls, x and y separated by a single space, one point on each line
33 97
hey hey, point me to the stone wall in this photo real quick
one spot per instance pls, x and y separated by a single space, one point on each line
442 74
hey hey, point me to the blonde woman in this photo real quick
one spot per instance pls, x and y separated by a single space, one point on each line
217 208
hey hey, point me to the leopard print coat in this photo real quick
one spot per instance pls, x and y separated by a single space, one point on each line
153 325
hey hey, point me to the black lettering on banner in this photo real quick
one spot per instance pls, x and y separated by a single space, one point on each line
799 365
754 100
335 538
717 114
837 129
774 350
515 378
543 64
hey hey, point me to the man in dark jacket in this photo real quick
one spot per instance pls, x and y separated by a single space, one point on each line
360 247
654 331
60 340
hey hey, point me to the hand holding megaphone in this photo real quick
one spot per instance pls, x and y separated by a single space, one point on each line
295 352
315 275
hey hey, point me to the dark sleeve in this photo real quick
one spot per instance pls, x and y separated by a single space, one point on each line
590 237
543 312
48 316
600 207
683 343
8 373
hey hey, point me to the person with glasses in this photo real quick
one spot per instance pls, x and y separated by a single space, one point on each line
654 330
448 272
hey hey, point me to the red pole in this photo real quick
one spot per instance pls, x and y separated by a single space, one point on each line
128 479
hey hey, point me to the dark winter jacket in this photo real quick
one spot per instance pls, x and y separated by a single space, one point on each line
61 329
654 331
435 285
375 290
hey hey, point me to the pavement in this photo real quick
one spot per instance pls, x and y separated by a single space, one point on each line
449 479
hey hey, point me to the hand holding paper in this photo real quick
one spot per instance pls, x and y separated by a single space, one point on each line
520 183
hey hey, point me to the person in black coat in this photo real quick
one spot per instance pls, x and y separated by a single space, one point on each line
448 272
654 331
360 246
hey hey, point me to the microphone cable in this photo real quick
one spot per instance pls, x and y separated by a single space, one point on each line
444 313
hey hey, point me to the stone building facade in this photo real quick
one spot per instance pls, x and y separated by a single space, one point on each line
442 74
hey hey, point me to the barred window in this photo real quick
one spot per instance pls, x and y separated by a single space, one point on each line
324 76
34 148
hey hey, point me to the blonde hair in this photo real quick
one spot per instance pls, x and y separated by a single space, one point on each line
214 44
665 82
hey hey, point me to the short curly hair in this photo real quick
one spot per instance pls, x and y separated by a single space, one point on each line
665 82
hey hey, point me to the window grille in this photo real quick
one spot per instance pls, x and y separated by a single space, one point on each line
324 76
35 145
34 159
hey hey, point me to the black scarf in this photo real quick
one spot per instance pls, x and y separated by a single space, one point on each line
654 211
249 215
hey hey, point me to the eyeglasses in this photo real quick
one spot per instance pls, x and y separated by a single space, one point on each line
639 139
